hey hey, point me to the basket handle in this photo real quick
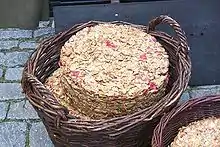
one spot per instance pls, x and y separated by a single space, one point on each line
35 91
180 34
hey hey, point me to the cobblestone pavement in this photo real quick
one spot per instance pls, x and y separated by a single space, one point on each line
19 124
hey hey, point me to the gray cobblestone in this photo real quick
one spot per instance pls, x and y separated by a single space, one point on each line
28 45
31 51
12 134
53 24
195 93
2 58
44 31
39 136
22 110
10 91
16 59
208 87
1 72
13 73
185 96
8 44
15 34
3 109
43 24
9 29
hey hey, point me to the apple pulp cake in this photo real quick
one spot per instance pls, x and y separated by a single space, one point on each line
110 70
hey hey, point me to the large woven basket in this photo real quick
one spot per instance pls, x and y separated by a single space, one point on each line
193 110
130 130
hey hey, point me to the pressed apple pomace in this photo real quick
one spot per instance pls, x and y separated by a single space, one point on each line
110 70
202 133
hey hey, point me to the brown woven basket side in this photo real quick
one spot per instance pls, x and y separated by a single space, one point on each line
129 130
193 110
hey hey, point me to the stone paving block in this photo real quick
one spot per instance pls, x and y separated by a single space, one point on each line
43 24
10 91
44 31
195 93
12 134
53 24
185 96
13 73
15 34
39 136
208 87
5 45
3 109
22 110
2 58
16 59
1 72
9 29
28 45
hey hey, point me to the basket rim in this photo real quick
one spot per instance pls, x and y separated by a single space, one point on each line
184 107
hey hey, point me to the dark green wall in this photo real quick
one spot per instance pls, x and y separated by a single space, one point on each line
22 13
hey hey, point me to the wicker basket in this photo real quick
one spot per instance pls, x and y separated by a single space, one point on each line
130 130
193 110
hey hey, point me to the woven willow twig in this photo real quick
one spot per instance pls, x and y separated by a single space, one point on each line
190 111
129 130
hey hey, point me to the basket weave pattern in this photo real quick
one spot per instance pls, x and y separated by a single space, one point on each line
129 130
183 115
